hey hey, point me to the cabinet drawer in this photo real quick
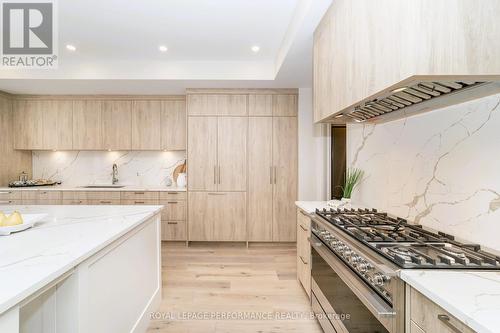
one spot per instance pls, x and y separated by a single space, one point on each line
103 195
75 202
75 195
104 202
10 202
173 210
139 202
172 195
48 202
140 195
29 195
49 195
432 318
173 230
10 195
303 219
414 328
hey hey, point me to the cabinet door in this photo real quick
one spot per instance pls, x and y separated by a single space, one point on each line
146 125
58 125
28 124
260 105
322 78
202 154
217 105
201 216
285 178
260 179
117 125
232 153
230 215
285 105
87 124
173 125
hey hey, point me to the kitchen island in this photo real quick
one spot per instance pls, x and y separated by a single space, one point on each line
81 269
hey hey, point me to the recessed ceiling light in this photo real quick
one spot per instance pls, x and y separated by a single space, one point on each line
255 48
71 47
163 48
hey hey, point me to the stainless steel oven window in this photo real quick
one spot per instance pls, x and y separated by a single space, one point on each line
349 310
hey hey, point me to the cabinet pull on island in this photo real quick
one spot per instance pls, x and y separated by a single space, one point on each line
445 319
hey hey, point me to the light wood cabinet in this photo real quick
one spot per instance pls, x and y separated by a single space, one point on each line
87 125
28 124
173 230
426 316
217 216
232 153
202 153
304 250
260 179
146 125
117 125
260 105
173 125
57 125
285 161
285 105
217 105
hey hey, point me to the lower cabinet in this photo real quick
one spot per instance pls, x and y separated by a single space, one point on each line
304 250
173 216
217 216
427 317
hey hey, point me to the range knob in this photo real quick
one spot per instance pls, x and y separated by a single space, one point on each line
364 267
324 233
347 252
379 279
355 260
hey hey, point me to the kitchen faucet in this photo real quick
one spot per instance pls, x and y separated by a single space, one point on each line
115 174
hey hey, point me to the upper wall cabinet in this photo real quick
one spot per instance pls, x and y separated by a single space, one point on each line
87 123
217 105
173 125
43 124
146 125
365 49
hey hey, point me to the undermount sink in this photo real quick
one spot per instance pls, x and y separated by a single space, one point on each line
104 186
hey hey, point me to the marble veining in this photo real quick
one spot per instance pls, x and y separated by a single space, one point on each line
67 236
477 306
439 169
136 168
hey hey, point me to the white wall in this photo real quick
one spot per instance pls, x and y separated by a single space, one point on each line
314 154
440 169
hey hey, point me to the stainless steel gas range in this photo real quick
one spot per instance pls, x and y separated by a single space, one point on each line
356 257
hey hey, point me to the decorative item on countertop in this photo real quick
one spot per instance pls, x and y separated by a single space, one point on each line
16 222
33 182
352 178
179 169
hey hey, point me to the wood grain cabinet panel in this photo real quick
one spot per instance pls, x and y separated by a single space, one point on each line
285 178
202 153
173 210
285 105
57 124
217 105
260 105
173 125
28 124
146 125
173 195
87 125
260 179
304 250
117 125
173 230
202 213
232 153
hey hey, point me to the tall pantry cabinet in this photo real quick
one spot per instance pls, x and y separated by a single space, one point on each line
242 155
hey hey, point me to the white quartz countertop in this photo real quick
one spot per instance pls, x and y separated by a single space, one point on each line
472 297
31 259
131 188
310 206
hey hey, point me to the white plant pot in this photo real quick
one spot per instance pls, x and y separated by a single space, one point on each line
345 202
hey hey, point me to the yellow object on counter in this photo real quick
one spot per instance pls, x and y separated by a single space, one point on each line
14 219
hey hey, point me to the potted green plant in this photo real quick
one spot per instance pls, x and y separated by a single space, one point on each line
352 178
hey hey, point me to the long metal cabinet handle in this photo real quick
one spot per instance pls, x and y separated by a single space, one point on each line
215 174
446 320
219 173
275 172
303 261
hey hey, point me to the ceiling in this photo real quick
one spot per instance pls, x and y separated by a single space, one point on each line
209 45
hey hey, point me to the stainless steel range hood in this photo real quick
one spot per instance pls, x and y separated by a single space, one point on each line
417 95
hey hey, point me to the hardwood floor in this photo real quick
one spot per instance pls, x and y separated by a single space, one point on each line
229 288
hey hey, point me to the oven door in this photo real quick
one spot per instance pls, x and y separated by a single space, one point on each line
349 304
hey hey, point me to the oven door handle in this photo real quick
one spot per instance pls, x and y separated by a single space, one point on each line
377 307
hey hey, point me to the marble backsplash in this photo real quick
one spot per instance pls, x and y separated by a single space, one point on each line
440 169
76 168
